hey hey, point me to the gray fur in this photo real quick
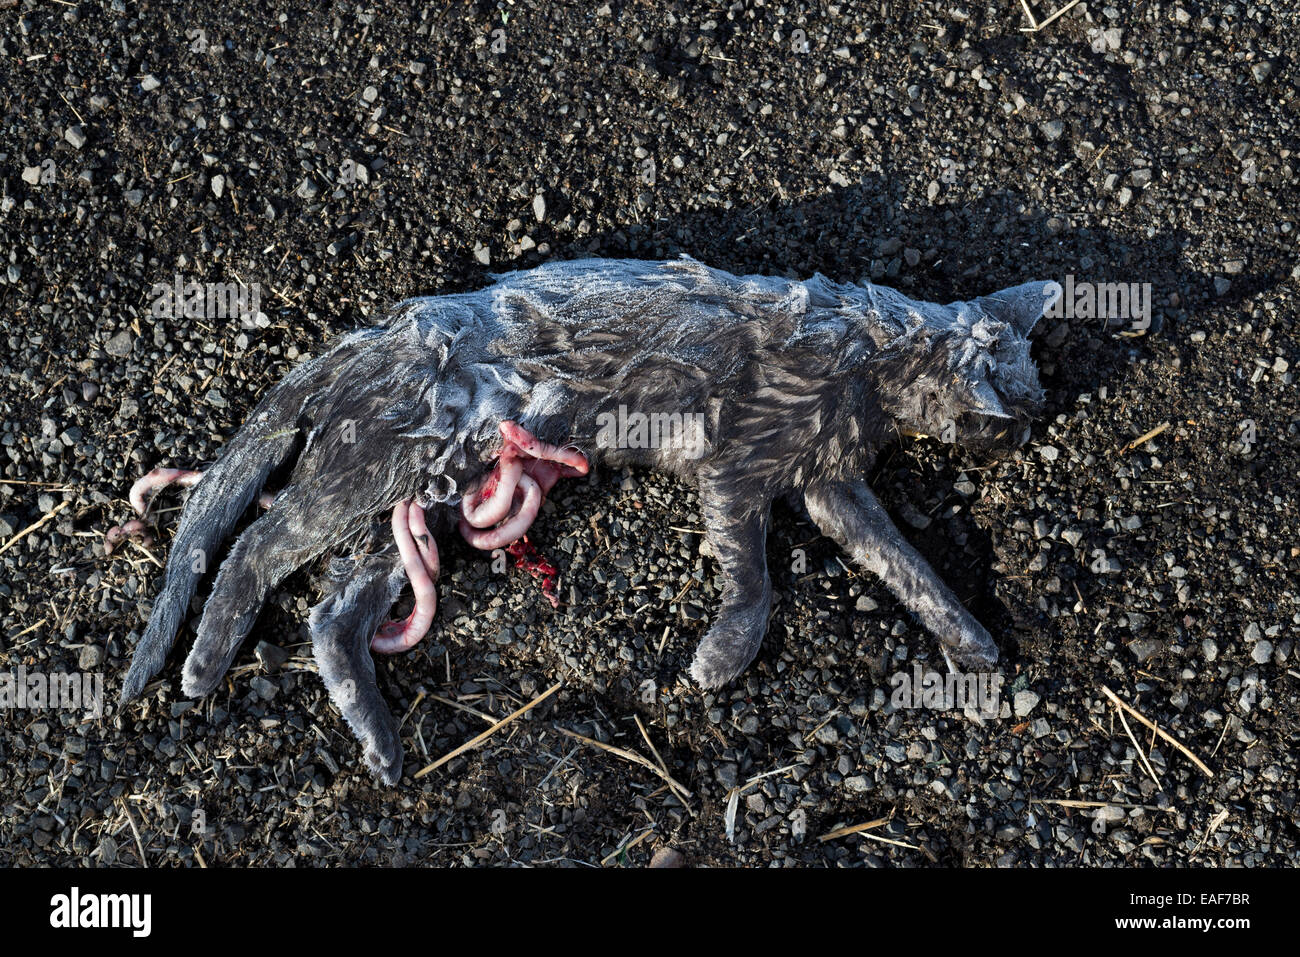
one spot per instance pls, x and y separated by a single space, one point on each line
799 384
360 591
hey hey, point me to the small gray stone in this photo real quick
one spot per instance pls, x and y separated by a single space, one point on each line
1145 648
1024 703
150 83
265 689
827 734
120 345
1262 653
271 656
76 135
1052 129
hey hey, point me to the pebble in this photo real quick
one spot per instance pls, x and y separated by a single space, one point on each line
452 148
668 857
271 656
1145 648
120 345
1024 702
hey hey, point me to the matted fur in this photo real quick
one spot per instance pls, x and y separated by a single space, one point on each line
798 384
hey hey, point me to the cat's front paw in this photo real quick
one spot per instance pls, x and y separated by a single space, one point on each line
381 745
384 759
711 669
971 646
728 648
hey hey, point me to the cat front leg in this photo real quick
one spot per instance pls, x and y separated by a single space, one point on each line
737 531
850 513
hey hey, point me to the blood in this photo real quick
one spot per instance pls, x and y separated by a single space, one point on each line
532 467
527 557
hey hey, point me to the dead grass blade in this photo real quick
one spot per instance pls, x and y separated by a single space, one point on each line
1158 730
475 742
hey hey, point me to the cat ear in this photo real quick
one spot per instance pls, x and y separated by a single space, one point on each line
982 398
1021 306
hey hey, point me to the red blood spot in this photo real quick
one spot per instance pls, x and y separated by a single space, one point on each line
527 557
489 486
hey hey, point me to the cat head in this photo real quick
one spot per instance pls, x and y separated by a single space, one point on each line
962 373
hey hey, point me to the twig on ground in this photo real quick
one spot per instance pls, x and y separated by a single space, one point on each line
1158 730
47 517
475 742
630 756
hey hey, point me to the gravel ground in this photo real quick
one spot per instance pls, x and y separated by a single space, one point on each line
344 157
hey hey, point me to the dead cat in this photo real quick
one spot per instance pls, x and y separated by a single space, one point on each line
466 409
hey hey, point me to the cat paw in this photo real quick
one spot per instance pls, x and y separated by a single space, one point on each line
711 670
381 747
728 648
385 761
971 647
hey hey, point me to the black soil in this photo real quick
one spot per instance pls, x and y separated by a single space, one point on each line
343 157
